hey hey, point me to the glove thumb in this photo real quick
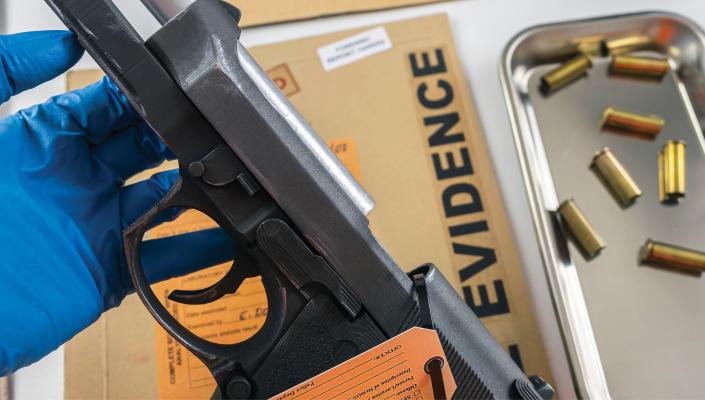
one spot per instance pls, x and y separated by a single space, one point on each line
32 58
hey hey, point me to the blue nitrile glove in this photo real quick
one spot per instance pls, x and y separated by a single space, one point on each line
63 205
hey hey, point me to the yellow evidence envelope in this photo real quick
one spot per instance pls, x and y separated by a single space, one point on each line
261 12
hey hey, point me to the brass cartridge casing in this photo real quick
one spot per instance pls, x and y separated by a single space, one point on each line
647 125
666 255
566 73
589 45
639 66
616 177
587 239
625 44
661 185
672 171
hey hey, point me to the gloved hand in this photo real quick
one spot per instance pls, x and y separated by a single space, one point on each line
63 203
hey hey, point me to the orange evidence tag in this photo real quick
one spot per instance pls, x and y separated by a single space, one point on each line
394 369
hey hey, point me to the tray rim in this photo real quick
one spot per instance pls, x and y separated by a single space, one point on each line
570 308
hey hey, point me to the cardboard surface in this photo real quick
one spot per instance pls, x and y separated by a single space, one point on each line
408 113
258 12
4 388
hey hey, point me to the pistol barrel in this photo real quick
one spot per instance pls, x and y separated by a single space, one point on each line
164 10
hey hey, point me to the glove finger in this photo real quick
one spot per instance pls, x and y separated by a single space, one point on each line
132 150
32 58
93 112
137 199
180 255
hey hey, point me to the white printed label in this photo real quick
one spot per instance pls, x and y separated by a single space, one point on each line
354 48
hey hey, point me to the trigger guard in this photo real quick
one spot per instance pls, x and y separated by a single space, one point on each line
229 284
221 359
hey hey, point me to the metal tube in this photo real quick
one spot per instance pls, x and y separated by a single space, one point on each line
672 171
679 170
667 255
164 10
625 44
565 74
589 45
641 67
587 239
649 125
333 166
663 198
616 177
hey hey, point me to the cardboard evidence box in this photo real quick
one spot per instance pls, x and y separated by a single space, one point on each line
392 102
258 12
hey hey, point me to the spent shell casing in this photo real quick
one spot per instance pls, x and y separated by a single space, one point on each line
629 122
663 198
565 73
587 239
625 44
667 255
589 45
640 67
672 171
616 177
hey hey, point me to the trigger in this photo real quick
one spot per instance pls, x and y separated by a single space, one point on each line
229 284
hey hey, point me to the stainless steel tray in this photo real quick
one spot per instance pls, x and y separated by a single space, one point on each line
630 331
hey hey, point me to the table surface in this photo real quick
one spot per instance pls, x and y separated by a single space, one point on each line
481 27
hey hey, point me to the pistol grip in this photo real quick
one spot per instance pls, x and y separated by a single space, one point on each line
481 367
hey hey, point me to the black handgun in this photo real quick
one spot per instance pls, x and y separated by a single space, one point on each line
296 216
